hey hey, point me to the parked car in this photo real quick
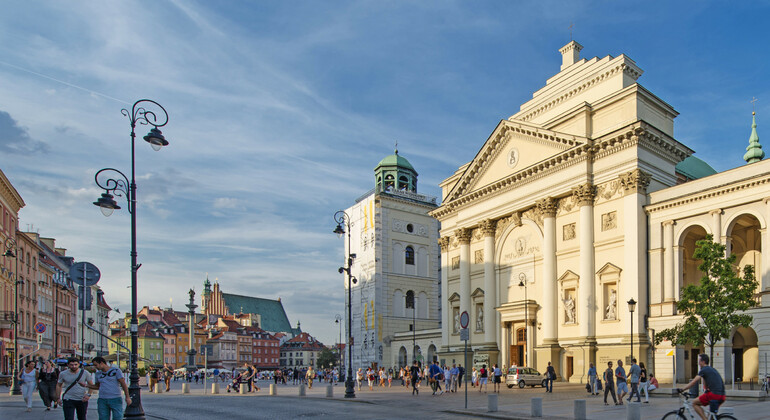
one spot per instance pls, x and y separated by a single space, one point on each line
523 376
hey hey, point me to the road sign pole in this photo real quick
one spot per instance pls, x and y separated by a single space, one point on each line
467 372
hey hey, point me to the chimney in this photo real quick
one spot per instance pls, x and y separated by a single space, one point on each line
570 54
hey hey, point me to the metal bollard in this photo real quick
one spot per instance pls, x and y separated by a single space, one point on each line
215 388
580 410
634 411
537 407
242 389
330 391
492 403
158 389
302 391
185 388
273 389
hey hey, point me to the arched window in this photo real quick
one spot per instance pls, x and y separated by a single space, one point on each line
390 181
409 304
403 183
409 255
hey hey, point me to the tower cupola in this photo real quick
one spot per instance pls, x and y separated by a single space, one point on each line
394 172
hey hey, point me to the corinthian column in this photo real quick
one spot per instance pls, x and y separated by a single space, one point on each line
446 312
490 287
464 237
584 195
547 208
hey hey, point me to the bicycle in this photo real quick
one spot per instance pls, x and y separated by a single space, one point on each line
687 412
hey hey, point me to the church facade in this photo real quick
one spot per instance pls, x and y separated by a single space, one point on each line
582 202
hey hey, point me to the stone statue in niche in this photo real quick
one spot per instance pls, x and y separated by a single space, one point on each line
569 309
480 318
457 321
611 312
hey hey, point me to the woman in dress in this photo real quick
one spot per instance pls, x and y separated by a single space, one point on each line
370 378
475 377
359 378
28 379
46 384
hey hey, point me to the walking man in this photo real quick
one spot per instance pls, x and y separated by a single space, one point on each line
498 373
167 374
634 372
550 374
620 374
75 397
460 375
435 376
592 378
609 384
110 382
414 373
455 377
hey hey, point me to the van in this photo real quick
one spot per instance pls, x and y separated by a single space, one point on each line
523 376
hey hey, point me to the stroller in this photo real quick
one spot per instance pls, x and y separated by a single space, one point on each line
236 384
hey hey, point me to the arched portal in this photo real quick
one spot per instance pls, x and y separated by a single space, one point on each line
402 358
746 243
746 354
431 353
689 268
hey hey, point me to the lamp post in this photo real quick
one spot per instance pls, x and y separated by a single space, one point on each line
338 321
114 181
343 218
12 251
523 283
631 308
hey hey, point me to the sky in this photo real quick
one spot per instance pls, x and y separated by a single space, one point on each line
279 112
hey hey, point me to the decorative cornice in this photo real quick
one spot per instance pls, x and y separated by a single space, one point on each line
706 195
443 242
488 227
546 207
464 235
584 194
635 182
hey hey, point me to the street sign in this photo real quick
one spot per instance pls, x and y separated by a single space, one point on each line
670 352
464 319
465 334
207 349
40 328
85 274
39 338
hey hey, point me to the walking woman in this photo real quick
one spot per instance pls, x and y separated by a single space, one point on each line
28 379
46 384
643 383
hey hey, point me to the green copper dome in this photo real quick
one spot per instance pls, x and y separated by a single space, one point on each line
395 173
754 152
395 160
694 168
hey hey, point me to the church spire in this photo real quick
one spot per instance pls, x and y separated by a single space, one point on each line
754 152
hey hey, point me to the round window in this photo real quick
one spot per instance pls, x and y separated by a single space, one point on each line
409 228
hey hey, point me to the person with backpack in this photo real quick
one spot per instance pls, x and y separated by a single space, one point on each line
74 381
550 374
483 375
110 382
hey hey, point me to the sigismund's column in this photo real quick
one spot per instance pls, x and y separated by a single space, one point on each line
464 238
584 196
547 208
490 288
446 312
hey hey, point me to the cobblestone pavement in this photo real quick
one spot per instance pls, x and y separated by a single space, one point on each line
381 403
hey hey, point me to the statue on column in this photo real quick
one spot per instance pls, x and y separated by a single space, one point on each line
612 307
192 296
569 308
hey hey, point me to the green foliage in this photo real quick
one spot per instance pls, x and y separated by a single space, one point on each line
326 358
711 307
142 371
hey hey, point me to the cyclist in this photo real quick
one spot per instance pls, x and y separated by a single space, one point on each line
715 387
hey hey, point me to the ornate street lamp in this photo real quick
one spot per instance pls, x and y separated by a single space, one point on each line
631 308
523 283
115 182
342 218
12 251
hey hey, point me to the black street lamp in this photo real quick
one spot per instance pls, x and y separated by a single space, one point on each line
341 217
116 182
523 283
10 246
631 308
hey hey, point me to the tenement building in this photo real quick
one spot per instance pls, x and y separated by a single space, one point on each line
396 268
580 202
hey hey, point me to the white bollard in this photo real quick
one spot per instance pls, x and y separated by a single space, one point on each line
185 388
215 388
537 407
330 391
580 410
492 403
633 412
302 391
158 388
242 389
273 389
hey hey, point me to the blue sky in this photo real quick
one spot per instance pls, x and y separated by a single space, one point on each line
279 112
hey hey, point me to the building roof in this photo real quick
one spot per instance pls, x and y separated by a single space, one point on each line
304 341
272 314
694 168
396 160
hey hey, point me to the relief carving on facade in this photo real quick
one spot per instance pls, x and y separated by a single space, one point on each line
565 204
502 224
455 263
608 190
569 231
534 215
635 181
478 256
477 235
584 194
402 226
609 220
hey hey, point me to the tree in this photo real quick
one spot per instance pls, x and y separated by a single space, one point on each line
714 307
327 358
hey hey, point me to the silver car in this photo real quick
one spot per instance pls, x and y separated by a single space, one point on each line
523 376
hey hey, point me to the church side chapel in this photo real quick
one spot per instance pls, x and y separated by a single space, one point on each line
570 234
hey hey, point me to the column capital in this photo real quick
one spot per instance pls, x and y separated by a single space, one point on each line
766 200
635 181
546 207
443 242
584 194
668 223
488 227
719 211
464 235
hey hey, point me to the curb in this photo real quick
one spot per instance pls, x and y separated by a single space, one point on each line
499 415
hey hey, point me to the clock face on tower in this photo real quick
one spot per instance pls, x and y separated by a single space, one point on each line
513 157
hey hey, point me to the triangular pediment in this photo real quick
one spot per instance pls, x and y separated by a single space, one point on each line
455 297
512 147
